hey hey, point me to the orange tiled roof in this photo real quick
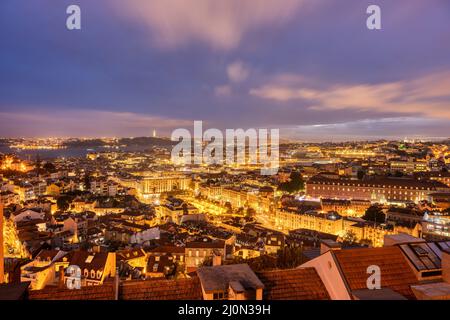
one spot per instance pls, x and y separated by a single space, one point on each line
101 292
396 274
47 254
182 289
293 284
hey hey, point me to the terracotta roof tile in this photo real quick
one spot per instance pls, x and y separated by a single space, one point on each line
167 249
47 254
182 289
101 292
293 284
125 255
80 257
14 291
201 244
396 274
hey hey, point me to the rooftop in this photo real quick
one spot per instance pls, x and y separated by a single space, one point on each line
101 292
206 244
423 256
396 273
432 291
130 254
378 294
181 289
218 278
293 284
13 291
382 181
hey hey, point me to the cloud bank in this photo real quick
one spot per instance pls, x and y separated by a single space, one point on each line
221 24
428 95
89 123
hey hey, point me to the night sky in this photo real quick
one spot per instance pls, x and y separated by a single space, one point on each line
308 67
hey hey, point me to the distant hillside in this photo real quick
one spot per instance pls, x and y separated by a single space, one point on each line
146 141
90 143
139 141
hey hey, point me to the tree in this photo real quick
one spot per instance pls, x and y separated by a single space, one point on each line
361 174
207 262
172 271
294 184
49 167
228 207
349 237
185 208
250 212
87 181
261 263
288 258
374 214
398 174
38 162
366 242
63 202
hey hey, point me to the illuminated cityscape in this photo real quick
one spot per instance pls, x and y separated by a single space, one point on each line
138 219
234 150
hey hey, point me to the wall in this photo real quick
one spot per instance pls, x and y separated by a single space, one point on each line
328 271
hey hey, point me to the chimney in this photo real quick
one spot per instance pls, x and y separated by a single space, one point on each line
445 262
2 258
61 282
15 274
217 259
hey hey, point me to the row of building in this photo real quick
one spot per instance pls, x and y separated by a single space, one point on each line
406 268
381 190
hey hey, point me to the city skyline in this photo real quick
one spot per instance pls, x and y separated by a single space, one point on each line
310 68
236 151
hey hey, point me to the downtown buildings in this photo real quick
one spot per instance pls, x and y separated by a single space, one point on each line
381 190
158 225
